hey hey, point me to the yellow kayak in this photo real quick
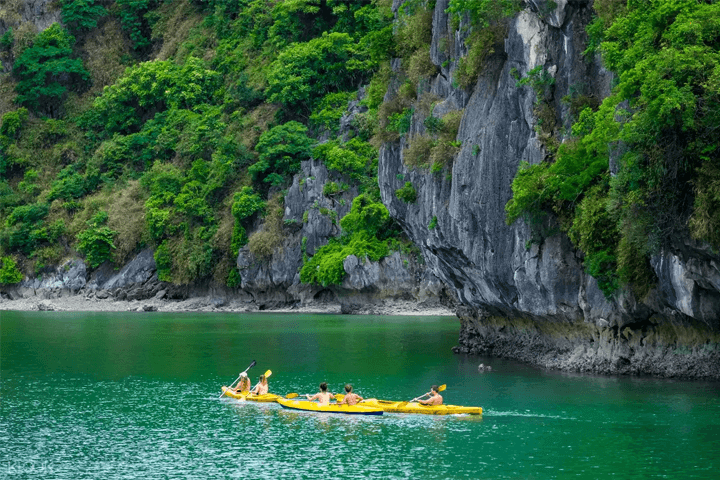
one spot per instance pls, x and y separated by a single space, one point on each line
245 395
415 407
332 408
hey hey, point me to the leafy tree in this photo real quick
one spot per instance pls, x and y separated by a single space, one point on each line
96 242
81 15
368 216
353 158
12 122
306 72
24 228
9 273
137 20
68 185
46 70
281 149
150 88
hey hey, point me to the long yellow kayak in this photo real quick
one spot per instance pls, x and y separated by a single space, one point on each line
245 395
332 408
415 407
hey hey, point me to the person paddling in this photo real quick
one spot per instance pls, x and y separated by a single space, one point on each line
350 397
261 388
323 396
435 397
244 384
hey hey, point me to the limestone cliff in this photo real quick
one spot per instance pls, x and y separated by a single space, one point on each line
522 299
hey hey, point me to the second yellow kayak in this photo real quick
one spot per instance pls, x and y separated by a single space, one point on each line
332 408
415 407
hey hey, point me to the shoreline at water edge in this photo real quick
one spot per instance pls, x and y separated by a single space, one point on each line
79 303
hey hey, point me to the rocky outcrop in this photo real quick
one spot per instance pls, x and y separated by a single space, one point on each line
529 301
310 220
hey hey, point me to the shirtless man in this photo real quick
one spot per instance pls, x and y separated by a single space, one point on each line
261 388
350 397
323 396
244 384
435 397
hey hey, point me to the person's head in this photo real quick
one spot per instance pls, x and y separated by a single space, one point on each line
243 376
348 388
262 378
434 389
323 387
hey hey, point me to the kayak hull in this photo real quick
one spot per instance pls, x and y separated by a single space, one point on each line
308 406
415 407
245 395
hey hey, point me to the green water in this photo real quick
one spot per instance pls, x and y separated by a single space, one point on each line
136 396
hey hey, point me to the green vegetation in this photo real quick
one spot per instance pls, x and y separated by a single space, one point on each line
367 231
81 15
407 193
47 70
488 19
9 273
96 242
657 124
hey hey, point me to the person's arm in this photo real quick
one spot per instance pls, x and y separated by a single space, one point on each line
314 397
344 400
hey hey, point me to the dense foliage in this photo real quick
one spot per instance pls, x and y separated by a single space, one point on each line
213 107
658 125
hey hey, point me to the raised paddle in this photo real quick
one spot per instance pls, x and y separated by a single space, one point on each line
238 378
440 389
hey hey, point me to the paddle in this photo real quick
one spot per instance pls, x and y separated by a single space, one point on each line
238 378
440 389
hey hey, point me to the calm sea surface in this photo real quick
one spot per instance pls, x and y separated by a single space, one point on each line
111 395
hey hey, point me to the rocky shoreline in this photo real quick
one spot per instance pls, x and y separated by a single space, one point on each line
80 303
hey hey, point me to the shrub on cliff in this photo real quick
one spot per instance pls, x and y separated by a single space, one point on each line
9 273
96 242
81 15
280 150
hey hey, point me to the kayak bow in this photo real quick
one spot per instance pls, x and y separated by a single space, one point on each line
415 407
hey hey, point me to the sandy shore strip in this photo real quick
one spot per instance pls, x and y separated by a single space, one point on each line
78 303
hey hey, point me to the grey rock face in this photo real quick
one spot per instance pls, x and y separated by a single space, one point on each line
521 300
310 220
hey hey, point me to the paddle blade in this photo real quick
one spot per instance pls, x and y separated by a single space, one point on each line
291 395
442 387
251 365
268 373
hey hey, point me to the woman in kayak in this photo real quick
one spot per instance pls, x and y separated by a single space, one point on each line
350 397
323 396
435 397
244 384
262 387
